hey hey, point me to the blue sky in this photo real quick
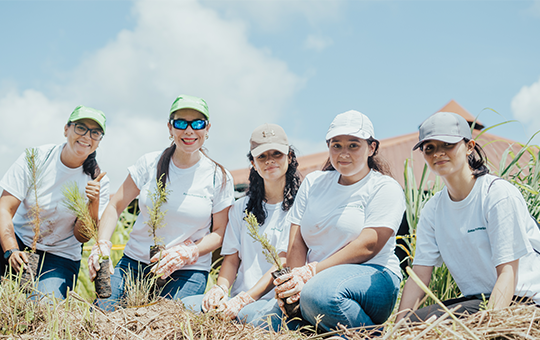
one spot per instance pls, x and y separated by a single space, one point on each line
295 63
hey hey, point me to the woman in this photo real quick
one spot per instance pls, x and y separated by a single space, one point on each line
201 192
59 242
273 183
342 240
478 225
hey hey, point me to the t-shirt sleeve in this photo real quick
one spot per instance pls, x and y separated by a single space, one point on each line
223 195
141 171
427 250
15 181
232 238
104 194
386 206
299 206
506 228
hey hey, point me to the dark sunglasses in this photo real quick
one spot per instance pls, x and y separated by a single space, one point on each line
182 124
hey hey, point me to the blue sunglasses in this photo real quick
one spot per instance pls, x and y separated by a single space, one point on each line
182 124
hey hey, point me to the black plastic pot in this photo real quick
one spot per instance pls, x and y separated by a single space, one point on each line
103 280
293 309
29 274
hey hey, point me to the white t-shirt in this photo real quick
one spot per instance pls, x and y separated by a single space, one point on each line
331 215
56 231
475 235
253 263
195 194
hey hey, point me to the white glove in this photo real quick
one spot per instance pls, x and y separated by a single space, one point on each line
214 298
103 248
175 258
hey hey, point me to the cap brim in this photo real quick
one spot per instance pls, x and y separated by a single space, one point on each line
442 138
270 146
347 131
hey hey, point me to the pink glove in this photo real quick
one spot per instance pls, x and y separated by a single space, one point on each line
102 247
232 307
290 285
175 258
216 296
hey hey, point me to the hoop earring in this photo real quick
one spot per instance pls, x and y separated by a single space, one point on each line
171 138
207 136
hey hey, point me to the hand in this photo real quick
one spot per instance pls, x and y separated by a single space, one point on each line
18 260
93 187
175 258
231 308
216 296
103 248
290 285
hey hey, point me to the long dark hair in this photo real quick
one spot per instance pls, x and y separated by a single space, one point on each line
256 192
374 161
477 160
90 164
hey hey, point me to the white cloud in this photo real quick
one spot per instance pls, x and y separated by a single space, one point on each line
526 107
276 15
535 8
317 43
176 47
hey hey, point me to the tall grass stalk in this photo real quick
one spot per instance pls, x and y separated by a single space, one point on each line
140 289
34 170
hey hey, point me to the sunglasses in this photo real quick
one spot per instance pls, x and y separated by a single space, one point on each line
182 124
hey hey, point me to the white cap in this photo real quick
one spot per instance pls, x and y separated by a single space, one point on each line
268 137
351 123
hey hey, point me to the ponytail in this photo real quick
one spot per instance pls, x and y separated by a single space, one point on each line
90 166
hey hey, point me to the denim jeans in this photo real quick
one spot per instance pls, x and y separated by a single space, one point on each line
259 313
353 295
180 283
55 273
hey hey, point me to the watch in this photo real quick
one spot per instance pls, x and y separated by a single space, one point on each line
8 253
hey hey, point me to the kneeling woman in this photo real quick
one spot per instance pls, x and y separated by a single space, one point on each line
343 225
59 241
477 224
273 183
201 192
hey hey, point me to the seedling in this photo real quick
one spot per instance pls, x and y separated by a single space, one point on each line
76 203
156 216
269 251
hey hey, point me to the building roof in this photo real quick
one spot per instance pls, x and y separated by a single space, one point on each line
396 150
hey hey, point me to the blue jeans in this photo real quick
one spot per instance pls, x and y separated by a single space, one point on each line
180 283
55 273
353 295
259 313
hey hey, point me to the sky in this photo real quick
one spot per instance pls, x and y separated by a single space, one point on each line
296 63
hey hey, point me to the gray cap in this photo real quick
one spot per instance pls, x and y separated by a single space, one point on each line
351 123
446 127
268 137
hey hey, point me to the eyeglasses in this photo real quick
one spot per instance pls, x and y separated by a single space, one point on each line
81 130
182 124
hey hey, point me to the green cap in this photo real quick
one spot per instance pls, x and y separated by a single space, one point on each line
189 102
83 112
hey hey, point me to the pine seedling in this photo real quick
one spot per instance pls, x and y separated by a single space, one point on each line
269 251
156 216
75 201
35 210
